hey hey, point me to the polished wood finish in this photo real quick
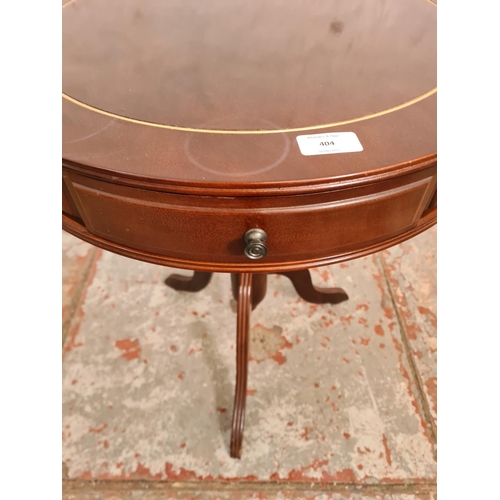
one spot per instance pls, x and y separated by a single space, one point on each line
180 124
249 290
68 205
177 141
303 285
301 281
78 229
131 68
207 232
194 283
242 330
229 64
259 288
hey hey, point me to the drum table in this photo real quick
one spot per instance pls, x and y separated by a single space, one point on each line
248 137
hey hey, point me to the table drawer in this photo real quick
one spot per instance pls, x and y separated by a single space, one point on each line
210 229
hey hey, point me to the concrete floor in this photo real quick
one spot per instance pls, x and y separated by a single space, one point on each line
341 399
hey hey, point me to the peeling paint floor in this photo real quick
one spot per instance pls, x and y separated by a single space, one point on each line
341 398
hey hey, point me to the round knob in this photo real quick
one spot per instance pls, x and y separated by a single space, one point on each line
255 240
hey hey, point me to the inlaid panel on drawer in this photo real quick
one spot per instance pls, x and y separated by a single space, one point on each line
211 229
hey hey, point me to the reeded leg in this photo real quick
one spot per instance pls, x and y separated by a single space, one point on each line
303 285
259 288
193 283
243 325
249 290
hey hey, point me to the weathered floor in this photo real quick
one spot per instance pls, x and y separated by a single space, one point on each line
341 400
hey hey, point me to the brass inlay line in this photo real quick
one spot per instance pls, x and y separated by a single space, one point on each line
67 3
71 1
243 132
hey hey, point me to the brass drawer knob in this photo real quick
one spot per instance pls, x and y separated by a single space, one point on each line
255 240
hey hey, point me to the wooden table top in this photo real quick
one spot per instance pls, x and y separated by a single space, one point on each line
183 92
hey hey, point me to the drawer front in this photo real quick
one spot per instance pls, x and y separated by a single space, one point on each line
210 229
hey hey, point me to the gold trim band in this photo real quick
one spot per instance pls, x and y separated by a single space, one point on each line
68 3
71 1
245 132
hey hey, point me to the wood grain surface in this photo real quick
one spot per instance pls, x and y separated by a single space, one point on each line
180 125
215 93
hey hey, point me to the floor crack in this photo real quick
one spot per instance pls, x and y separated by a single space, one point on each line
410 488
78 293
422 399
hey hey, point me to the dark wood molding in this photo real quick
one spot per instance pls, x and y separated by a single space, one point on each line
72 226
303 285
194 283
242 331
250 189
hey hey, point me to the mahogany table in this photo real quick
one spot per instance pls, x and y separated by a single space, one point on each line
248 137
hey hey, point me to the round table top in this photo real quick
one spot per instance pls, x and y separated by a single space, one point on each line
217 92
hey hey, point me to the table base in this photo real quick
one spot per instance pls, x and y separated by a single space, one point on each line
249 290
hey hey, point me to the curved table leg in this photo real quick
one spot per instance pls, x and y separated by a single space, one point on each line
193 283
243 324
259 288
301 280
